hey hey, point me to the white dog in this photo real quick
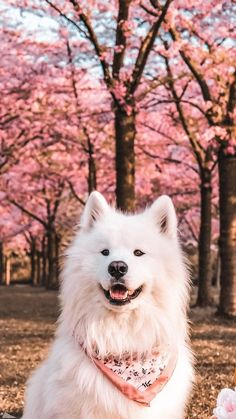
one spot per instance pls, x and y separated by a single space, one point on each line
121 348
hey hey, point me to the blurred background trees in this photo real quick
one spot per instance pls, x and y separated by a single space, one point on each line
134 98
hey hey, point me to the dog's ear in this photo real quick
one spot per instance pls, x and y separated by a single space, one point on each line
95 207
163 212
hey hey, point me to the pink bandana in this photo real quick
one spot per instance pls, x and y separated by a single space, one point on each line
139 379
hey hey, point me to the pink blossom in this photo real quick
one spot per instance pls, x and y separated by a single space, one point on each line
230 150
128 27
119 48
119 91
104 55
63 32
226 404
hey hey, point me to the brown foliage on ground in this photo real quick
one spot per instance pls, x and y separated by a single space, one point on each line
27 322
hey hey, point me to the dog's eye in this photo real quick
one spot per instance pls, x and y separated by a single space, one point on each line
138 252
105 252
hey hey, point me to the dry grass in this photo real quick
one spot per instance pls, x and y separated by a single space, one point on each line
27 322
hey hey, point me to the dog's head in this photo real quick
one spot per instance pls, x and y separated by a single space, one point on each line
125 257
120 266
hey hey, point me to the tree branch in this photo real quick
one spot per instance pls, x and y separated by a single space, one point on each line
70 59
72 22
57 202
190 228
149 11
8 119
145 49
159 132
93 39
196 146
189 62
28 212
232 95
168 159
121 41
81 201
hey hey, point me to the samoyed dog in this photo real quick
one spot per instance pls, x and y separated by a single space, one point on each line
121 346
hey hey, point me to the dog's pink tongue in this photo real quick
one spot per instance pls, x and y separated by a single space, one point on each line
118 294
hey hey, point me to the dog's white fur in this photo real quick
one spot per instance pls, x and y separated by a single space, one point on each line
68 384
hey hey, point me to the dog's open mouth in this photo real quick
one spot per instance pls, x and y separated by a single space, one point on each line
119 295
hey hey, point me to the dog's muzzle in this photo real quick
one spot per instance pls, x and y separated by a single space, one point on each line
118 294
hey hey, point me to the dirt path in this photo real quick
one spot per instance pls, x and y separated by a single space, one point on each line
27 323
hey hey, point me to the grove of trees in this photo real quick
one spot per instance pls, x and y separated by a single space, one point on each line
133 97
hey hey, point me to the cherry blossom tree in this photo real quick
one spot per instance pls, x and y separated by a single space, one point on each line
156 76
206 159
121 76
197 49
206 46
46 149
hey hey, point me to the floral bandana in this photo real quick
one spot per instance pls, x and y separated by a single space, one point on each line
139 379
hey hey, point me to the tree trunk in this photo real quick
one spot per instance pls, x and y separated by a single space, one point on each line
58 242
92 172
227 182
32 262
1 264
125 157
38 268
8 270
52 277
44 276
204 244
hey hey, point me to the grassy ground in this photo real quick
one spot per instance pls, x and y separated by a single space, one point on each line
27 323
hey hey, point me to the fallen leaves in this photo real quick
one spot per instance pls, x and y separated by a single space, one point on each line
27 324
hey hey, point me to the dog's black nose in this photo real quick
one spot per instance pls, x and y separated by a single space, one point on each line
117 269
